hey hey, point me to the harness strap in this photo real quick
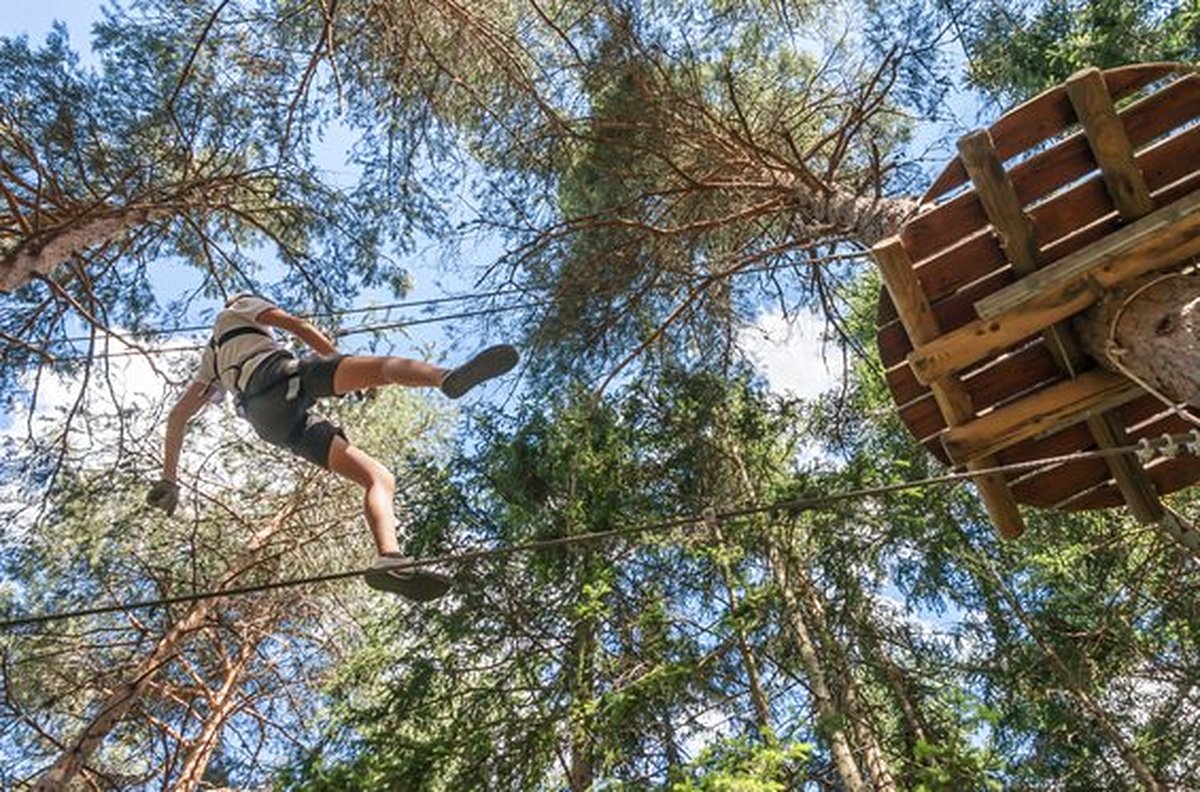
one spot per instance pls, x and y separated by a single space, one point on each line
234 332
215 343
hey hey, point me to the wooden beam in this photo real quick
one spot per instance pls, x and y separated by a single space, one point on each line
955 403
1109 144
1003 208
1113 151
999 198
1044 412
1135 484
1064 288
1043 116
1159 239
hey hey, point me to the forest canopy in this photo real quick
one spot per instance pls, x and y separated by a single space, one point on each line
658 581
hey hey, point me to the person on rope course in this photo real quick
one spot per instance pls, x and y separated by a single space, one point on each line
276 391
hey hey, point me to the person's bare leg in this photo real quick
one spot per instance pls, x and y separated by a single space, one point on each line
359 372
379 489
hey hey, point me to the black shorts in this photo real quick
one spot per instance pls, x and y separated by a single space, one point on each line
279 401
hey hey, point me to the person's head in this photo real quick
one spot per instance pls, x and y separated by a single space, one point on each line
237 296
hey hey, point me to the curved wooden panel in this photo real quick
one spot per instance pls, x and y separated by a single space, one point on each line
957 259
1044 116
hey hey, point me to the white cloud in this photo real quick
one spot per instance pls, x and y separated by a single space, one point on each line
788 352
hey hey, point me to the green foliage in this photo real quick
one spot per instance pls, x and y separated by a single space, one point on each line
98 543
740 766
1018 51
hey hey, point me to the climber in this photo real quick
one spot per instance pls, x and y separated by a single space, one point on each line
276 390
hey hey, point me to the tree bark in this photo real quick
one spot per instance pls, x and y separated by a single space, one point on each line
1156 320
39 255
221 705
828 710
866 220
833 688
758 698
581 770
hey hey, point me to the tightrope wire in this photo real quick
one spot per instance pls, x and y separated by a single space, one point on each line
1170 443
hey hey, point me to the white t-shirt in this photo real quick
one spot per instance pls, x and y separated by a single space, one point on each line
221 371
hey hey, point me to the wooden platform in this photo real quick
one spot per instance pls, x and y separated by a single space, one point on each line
1085 186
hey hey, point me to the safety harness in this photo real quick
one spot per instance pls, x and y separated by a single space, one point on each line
239 395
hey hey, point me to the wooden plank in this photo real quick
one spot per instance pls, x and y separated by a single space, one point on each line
1044 115
904 385
1050 488
931 241
924 419
1136 487
999 200
1068 441
1109 144
1157 114
1166 477
885 311
1049 410
1113 151
1056 292
1160 238
1011 375
1025 371
1163 164
973 258
1077 482
984 338
1065 246
952 313
953 401
1144 121
1003 208
942 227
976 253
1001 380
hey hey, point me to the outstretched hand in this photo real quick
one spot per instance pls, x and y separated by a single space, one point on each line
164 495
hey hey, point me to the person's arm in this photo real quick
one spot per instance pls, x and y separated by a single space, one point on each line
301 328
190 403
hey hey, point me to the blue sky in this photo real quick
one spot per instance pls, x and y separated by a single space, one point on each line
33 19
788 353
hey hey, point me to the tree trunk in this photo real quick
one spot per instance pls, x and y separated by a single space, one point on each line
916 727
39 255
581 770
805 624
1157 333
221 705
863 219
847 686
829 714
762 711
121 700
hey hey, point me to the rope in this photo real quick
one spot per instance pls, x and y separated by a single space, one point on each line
1114 351
333 313
356 330
707 517
501 292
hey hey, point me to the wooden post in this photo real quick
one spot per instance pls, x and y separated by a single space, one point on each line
916 314
1109 143
1004 211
